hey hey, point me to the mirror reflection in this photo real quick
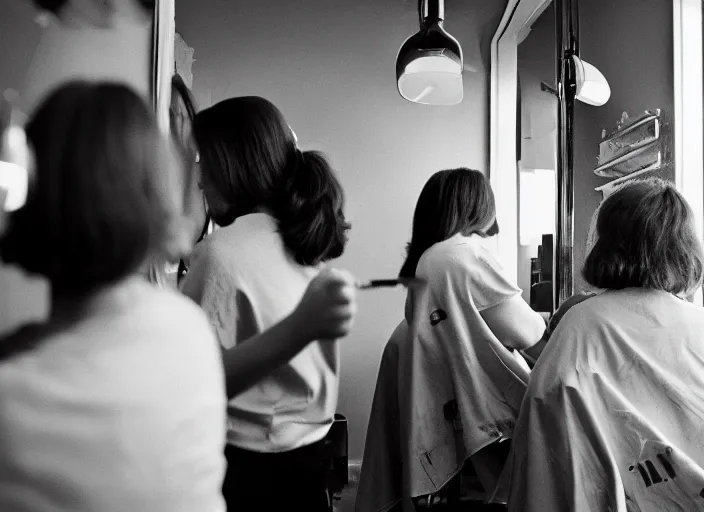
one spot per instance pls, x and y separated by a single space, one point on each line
537 160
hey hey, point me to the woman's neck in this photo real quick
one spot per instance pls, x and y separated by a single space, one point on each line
263 209
68 307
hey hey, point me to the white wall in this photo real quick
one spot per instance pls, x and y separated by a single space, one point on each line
330 67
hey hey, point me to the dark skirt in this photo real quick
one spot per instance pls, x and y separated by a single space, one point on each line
295 480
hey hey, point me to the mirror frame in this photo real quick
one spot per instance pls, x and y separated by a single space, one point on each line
163 59
689 105
514 27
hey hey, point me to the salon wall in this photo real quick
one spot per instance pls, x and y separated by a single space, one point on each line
631 43
330 68
34 59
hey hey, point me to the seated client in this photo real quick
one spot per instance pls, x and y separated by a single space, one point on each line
612 419
454 359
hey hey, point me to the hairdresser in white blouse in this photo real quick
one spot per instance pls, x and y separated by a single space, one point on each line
280 212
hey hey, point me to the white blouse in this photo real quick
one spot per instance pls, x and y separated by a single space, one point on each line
121 410
246 281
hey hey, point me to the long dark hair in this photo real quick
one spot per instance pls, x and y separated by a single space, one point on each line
452 201
645 237
249 153
98 207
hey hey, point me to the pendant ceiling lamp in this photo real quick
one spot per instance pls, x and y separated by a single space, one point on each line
429 64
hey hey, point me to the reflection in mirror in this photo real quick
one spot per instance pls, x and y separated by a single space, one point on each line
537 160
45 43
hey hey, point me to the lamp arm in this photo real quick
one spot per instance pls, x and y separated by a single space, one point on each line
431 10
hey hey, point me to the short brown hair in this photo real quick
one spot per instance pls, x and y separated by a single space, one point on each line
646 238
98 206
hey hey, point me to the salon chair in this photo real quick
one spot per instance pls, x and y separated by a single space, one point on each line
541 289
336 462
464 492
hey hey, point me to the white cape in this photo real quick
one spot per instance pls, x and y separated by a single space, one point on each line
613 419
443 352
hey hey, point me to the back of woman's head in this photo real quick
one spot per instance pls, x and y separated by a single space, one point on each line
645 237
451 202
250 161
97 207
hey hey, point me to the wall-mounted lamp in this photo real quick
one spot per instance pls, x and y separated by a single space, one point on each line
429 64
14 176
592 87
15 158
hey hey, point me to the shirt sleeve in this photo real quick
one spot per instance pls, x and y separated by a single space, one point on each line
487 282
215 290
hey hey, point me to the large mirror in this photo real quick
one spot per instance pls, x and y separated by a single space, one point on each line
525 150
613 85
536 157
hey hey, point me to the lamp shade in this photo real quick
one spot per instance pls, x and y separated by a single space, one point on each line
592 87
14 163
429 63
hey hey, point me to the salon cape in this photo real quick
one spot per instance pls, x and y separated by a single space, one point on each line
613 419
443 351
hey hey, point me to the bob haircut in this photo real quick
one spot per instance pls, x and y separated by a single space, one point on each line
99 203
249 155
645 237
452 201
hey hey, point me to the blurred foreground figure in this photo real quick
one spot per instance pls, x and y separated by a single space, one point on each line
613 415
95 13
117 401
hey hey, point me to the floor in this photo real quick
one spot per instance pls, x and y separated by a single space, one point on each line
349 493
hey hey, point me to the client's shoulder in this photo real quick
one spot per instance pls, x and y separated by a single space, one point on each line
459 255
454 252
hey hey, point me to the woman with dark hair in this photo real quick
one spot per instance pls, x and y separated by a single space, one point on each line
612 419
454 360
454 214
87 398
280 212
